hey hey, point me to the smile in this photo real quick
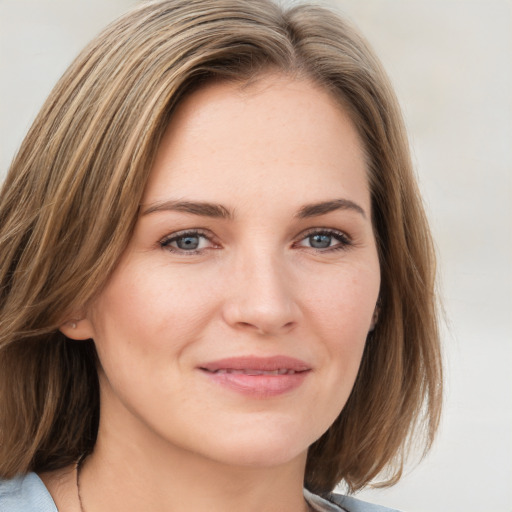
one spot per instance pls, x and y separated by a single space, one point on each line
281 371
257 377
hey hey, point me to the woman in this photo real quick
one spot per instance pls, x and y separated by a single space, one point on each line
217 281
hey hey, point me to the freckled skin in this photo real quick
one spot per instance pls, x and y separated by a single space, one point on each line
255 284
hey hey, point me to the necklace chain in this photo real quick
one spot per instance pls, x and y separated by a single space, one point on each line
78 470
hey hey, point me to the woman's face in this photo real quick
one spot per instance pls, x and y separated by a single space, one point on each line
234 324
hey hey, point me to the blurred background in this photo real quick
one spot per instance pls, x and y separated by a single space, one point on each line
451 64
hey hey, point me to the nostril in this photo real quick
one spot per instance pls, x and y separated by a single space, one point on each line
262 330
261 317
255 328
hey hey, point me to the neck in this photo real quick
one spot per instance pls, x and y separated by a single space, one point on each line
135 474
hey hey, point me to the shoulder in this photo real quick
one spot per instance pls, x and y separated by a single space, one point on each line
332 502
25 493
351 504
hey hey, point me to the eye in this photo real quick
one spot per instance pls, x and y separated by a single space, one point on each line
325 240
190 242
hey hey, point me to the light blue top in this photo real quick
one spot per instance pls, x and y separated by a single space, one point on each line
27 493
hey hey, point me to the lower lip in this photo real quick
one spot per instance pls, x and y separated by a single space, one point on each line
258 386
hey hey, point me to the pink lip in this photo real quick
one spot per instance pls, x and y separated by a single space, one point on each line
259 377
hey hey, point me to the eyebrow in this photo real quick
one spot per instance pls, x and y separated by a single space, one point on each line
317 209
204 209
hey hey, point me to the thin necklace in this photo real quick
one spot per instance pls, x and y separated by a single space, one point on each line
78 468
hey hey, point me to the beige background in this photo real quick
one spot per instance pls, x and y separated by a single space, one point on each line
450 62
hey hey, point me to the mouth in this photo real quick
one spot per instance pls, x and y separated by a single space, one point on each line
256 376
274 365
248 371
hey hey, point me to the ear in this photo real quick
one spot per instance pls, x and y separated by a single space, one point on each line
77 329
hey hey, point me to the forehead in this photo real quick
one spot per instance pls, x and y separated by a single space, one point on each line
290 133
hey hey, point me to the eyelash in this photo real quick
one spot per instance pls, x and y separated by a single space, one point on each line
165 243
344 241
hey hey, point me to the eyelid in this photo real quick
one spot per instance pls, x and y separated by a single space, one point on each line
320 229
345 241
168 239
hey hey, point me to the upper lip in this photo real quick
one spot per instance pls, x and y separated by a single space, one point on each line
257 363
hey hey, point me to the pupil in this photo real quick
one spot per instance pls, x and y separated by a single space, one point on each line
188 242
320 241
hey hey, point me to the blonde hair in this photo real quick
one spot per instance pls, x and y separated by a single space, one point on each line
71 198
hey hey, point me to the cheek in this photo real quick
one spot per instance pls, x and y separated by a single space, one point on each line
142 327
340 314
343 301
154 306
145 323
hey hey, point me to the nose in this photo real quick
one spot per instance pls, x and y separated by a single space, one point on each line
261 298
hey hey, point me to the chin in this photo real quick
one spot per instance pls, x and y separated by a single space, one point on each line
261 447
262 457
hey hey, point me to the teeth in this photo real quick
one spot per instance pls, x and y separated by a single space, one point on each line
280 371
250 372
